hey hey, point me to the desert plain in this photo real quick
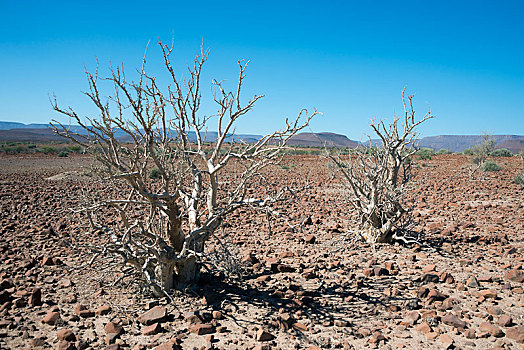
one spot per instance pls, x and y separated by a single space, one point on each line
302 286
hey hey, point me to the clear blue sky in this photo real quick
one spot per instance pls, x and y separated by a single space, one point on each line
349 59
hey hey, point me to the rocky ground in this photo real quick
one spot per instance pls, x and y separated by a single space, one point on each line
302 288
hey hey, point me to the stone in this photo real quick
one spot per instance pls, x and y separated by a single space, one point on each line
217 315
193 317
285 321
202 328
300 327
35 299
341 323
491 329
262 335
516 333
470 334
376 338
103 310
368 272
424 327
489 293
156 314
412 317
505 321
430 277
113 328
51 317
472 282
446 341
152 329
311 239
167 346
380 271
454 321
429 268
82 311
66 345
38 341
65 334
515 275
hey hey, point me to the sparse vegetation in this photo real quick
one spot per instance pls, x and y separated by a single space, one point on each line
375 182
425 153
155 173
444 151
519 179
501 152
491 166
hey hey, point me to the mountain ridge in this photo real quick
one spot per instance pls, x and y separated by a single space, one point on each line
35 132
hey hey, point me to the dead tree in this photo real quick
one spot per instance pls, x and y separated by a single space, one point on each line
376 177
166 219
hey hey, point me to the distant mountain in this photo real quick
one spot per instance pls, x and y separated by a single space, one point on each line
321 139
13 131
16 125
514 146
29 135
458 143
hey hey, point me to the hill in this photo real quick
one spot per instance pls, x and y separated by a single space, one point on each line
458 143
327 139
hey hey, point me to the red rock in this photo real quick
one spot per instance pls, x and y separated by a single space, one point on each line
202 328
377 337
429 268
505 321
412 317
470 334
262 335
152 329
300 327
51 317
217 315
167 346
489 293
424 327
310 239
65 334
515 276
35 299
491 329
156 314
452 320
368 272
516 333
193 318
446 341
103 310
113 328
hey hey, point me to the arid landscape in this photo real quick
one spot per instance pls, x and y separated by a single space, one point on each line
302 286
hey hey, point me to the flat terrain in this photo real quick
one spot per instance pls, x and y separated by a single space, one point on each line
303 287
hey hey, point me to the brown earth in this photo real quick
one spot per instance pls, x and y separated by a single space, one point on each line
302 288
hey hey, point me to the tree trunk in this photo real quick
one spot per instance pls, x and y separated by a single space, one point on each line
186 273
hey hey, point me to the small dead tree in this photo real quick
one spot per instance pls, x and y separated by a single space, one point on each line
376 177
176 186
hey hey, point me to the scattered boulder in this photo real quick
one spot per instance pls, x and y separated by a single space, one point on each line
156 314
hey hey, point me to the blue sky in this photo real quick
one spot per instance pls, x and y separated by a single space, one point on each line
348 59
